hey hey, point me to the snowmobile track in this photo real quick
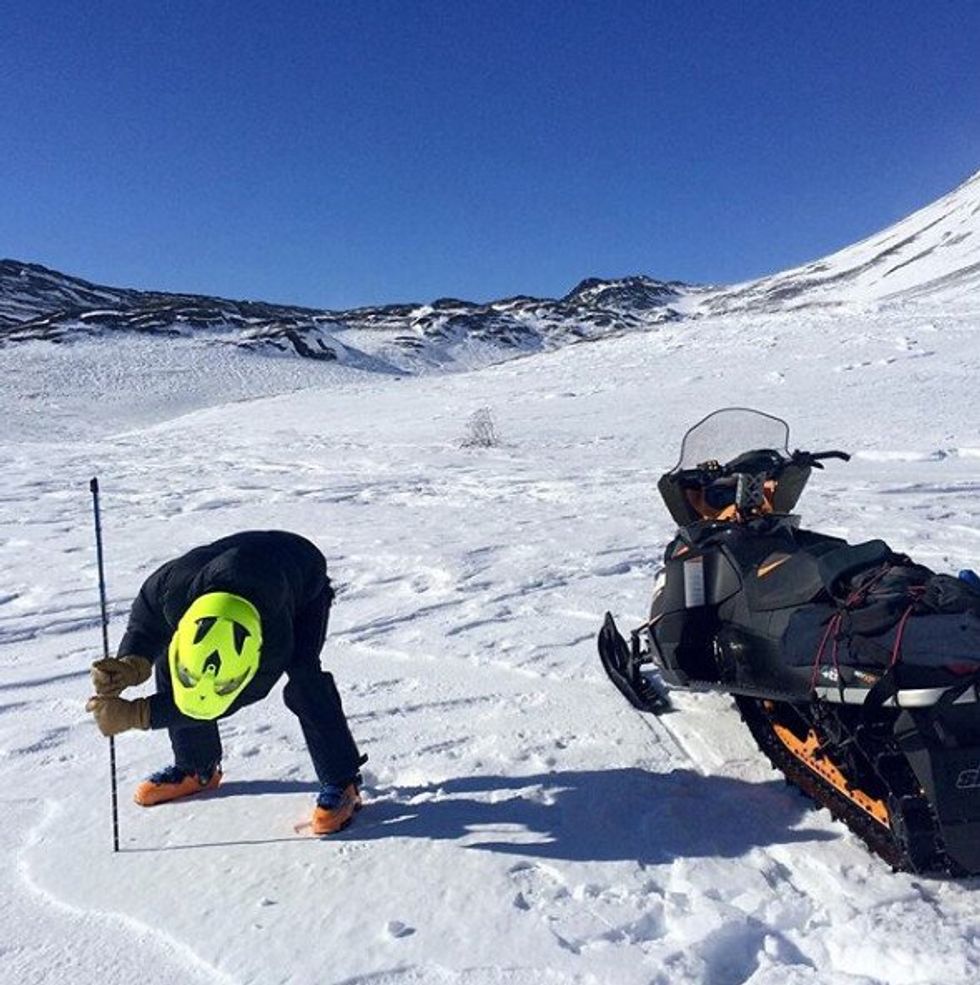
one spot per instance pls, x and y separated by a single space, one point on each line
883 842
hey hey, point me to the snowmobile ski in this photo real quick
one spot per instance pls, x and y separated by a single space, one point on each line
622 665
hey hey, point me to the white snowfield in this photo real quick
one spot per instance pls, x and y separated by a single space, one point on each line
523 824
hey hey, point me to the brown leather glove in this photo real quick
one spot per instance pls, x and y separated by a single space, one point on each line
111 675
114 715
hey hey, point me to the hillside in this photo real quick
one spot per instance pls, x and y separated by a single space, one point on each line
931 256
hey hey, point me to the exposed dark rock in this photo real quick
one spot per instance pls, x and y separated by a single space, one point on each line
38 303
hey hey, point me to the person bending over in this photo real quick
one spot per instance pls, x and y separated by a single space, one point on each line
218 627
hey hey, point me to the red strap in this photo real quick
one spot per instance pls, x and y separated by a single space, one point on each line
833 626
897 647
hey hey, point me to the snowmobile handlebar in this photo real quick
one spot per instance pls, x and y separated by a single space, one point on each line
815 459
766 462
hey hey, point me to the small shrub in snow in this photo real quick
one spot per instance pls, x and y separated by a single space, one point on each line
481 432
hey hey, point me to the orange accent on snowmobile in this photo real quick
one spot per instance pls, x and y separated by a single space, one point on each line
699 503
767 567
808 752
148 793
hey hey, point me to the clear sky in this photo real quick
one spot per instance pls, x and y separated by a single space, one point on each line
343 153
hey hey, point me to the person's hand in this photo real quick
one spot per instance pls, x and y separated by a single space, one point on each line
114 715
112 675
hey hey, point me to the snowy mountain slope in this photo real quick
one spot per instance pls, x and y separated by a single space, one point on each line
41 304
29 291
113 369
932 255
523 824
104 385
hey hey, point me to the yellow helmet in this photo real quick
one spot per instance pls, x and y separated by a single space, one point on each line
214 653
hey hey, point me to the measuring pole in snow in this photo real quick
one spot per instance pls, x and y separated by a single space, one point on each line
94 486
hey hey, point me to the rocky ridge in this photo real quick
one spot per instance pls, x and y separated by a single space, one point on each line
932 255
38 303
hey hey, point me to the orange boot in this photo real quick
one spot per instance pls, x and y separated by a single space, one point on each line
335 807
174 782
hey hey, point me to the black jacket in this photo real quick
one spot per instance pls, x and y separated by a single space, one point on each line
280 573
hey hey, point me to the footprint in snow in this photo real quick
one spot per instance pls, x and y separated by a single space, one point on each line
395 929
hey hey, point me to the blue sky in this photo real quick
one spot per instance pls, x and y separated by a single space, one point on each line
335 154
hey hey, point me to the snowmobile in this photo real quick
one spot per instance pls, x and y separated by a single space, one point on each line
856 671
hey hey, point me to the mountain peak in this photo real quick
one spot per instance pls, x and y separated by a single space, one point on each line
637 291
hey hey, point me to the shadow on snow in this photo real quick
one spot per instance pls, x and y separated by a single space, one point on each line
577 815
595 815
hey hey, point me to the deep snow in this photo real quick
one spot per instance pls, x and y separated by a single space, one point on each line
523 824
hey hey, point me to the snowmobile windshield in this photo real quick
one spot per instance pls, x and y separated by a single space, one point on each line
730 432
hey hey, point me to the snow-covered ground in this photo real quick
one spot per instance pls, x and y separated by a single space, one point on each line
523 824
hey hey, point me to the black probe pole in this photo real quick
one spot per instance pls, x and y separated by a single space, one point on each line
94 486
